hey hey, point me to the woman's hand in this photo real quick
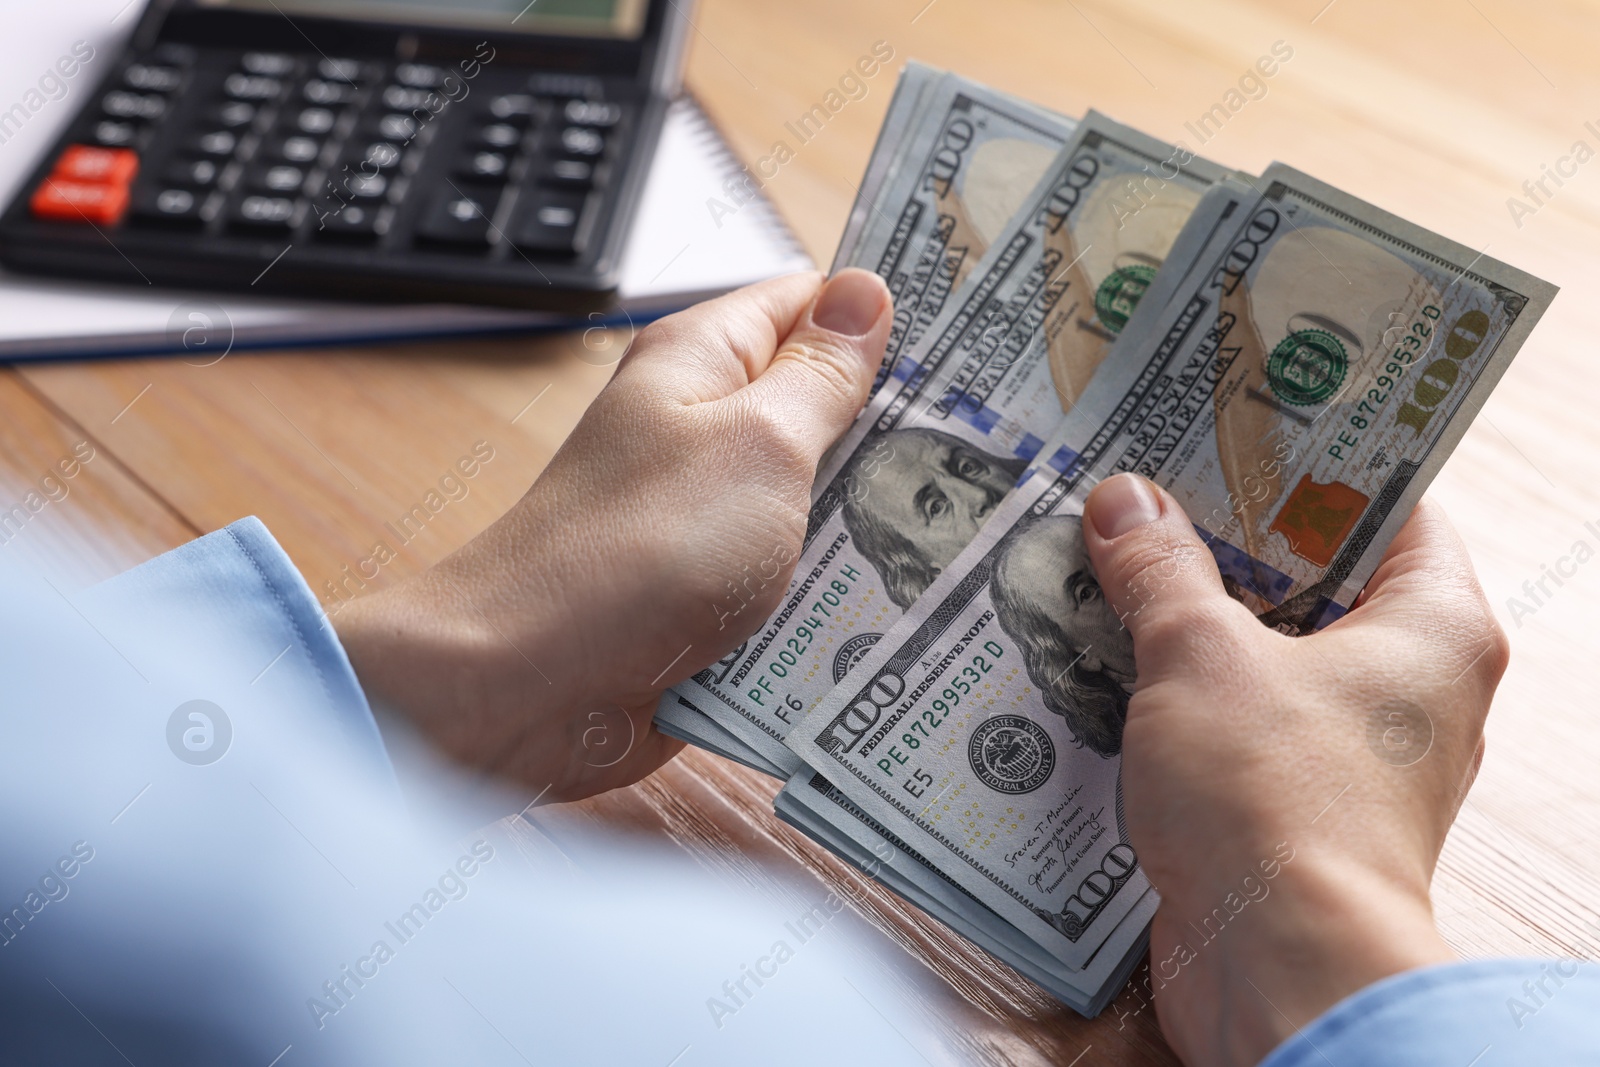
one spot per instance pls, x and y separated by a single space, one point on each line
1336 762
661 535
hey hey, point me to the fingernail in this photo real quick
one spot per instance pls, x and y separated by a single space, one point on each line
850 303
1121 503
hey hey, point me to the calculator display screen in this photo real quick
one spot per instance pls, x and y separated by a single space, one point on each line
617 19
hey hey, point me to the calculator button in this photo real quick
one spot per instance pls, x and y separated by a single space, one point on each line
168 206
144 107
69 201
351 222
399 98
216 143
368 186
552 224
150 78
314 120
275 64
379 155
419 75
401 128
282 178
264 212
485 166
251 87
567 173
459 216
565 85
327 92
198 172
582 142
85 163
500 135
343 70
359 185
592 113
295 149
115 134
233 114
513 107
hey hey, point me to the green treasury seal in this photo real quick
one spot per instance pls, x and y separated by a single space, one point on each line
1118 295
1307 367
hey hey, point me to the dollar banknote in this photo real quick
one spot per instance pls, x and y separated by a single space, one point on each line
904 113
936 451
678 718
1296 396
816 808
952 165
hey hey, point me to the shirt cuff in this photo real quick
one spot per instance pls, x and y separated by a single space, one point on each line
1483 1013
235 593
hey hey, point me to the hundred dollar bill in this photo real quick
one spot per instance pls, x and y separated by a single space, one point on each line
1295 397
678 718
953 161
810 804
920 472
952 165
905 111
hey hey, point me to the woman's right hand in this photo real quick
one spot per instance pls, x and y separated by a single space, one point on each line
1335 761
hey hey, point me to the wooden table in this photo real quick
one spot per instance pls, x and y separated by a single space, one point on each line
1436 110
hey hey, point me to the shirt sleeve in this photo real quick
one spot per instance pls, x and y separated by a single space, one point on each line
1483 1013
238 581
203 860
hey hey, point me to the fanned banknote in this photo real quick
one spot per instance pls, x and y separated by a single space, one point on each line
966 412
1293 365
951 167
678 718
1296 396
813 806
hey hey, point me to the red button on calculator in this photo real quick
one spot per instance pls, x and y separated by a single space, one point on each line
86 163
68 201
88 184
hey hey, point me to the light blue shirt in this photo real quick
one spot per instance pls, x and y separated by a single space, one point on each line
207 856
1486 1013
282 899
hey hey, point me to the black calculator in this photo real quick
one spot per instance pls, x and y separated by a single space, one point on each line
483 151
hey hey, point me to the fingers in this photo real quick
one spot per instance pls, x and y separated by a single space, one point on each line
793 354
1426 585
1153 568
1426 591
1427 556
719 346
819 377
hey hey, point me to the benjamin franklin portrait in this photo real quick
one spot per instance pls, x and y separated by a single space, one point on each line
1075 648
915 499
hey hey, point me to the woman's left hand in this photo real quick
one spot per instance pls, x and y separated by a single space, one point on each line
661 535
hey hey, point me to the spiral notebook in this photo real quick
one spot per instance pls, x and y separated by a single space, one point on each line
690 240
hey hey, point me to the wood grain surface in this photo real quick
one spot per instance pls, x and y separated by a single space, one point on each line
1438 111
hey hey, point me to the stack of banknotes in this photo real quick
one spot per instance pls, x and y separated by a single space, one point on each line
943 687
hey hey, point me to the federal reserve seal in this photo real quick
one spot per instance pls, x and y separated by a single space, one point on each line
1307 367
1118 295
1011 754
850 653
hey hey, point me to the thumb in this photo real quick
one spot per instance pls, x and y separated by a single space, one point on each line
1153 568
820 375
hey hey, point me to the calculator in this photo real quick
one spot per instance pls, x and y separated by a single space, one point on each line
481 151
